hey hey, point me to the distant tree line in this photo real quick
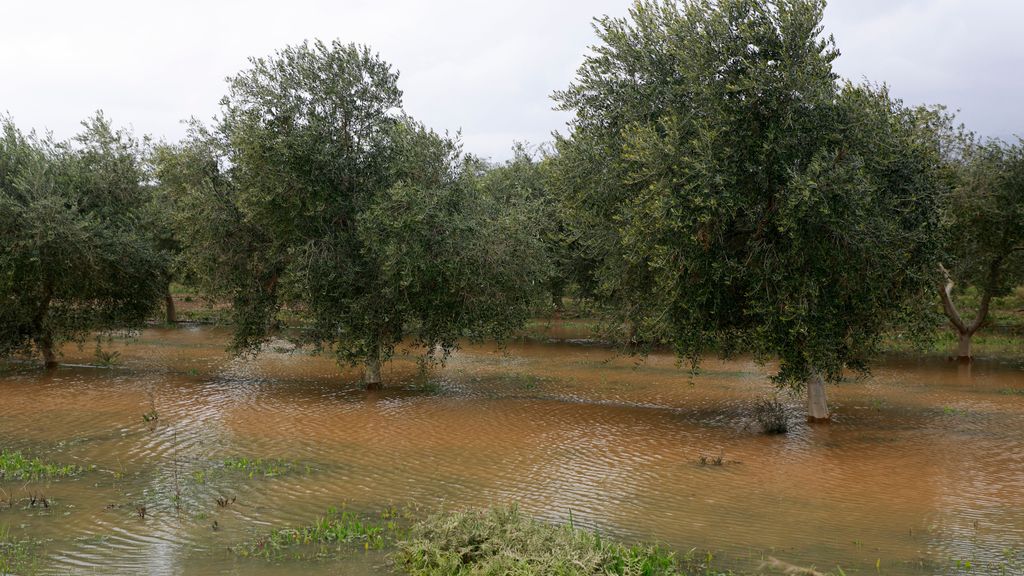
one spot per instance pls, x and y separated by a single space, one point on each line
719 190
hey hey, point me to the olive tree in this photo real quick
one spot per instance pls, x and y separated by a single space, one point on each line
313 193
523 184
739 197
984 233
160 224
76 258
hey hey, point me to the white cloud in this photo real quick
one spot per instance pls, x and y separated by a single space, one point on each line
485 67
966 54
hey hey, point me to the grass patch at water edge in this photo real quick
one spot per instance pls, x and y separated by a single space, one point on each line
16 466
503 542
327 535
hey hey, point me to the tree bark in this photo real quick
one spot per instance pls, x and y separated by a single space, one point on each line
963 350
371 371
172 314
45 339
557 295
965 331
817 401
49 355
946 293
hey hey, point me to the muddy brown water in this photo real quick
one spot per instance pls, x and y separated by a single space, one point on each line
923 467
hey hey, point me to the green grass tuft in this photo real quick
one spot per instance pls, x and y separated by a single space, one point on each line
260 466
336 528
17 556
15 466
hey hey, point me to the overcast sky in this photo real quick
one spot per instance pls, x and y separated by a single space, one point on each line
486 67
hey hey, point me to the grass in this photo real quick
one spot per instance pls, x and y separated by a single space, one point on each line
260 466
15 466
17 556
501 541
249 467
335 529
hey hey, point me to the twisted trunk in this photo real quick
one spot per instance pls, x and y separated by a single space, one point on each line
964 330
817 400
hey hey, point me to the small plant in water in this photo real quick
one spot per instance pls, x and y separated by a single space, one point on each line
705 460
15 466
337 527
770 414
17 556
152 417
106 359
38 500
259 466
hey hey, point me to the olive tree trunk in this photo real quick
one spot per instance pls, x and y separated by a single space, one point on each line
371 371
963 349
963 329
817 401
44 338
49 355
172 314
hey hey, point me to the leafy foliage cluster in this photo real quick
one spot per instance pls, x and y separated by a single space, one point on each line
737 195
77 254
314 192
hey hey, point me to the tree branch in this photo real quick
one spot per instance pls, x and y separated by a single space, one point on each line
946 291
986 298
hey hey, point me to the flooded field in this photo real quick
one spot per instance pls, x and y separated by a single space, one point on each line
923 467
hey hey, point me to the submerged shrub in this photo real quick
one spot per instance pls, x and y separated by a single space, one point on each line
501 541
770 414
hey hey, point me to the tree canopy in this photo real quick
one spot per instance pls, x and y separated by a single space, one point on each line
77 257
738 196
314 192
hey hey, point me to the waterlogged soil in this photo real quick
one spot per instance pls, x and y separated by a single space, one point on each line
922 469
